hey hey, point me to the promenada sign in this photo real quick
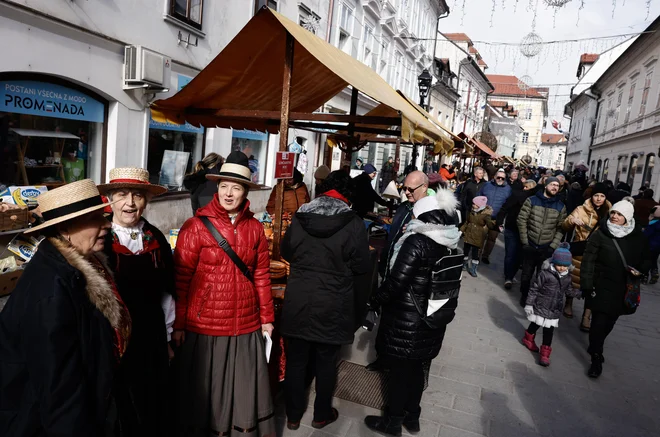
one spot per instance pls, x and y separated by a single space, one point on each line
48 100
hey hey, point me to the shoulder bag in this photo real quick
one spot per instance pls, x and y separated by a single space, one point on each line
577 248
633 294
224 245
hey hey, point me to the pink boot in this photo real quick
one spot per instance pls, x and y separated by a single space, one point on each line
528 341
545 355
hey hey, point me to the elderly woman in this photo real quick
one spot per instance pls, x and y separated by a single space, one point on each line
585 219
141 259
64 328
223 311
418 298
604 274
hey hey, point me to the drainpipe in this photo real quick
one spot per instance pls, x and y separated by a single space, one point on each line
331 9
596 97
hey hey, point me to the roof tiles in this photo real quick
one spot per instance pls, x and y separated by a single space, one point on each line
508 86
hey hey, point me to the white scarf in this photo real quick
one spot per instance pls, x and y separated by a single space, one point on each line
447 236
125 236
620 231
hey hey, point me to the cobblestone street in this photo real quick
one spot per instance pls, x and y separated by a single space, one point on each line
485 383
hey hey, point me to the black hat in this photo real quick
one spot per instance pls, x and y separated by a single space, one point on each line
235 169
600 188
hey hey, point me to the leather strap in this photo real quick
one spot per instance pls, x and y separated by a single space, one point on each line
224 245
623 258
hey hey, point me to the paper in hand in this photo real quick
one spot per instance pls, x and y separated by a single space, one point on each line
269 345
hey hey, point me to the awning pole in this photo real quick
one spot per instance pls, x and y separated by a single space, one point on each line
397 154
284 140
351 126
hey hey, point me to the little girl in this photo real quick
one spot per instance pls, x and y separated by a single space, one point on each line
545 300
475 231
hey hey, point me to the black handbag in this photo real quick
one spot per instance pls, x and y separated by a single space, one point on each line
633 294
577 248
224 245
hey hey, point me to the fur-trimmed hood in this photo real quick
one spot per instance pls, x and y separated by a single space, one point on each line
98 290
324 216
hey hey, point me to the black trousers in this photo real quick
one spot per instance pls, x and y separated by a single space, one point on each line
406 385
548 333
323 359
532 260
469 249
601 326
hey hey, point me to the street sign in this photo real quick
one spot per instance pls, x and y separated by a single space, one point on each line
284 165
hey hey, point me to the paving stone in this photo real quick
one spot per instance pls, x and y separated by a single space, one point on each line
448 431
456 419
473 366
495 371
485 381
449 386
501 429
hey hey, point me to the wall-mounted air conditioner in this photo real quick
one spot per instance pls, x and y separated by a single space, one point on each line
144 68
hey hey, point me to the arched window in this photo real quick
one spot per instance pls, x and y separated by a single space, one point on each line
632 170
591 170
598 169
606 169
619 169
648 170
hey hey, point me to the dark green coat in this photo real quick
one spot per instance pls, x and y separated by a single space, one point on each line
476 226
602 276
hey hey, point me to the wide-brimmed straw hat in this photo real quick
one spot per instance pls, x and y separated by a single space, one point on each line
235 169
131 177
67 202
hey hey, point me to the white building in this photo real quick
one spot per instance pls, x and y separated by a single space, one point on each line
552 152
473 85
532 106
444 96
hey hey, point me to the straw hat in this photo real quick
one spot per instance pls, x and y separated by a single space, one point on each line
131 177
235 169
67 202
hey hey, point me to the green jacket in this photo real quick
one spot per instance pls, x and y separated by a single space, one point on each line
540 219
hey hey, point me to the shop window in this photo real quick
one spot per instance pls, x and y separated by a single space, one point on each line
50 134
648 170
255 146
188 11
632 170
606 169
172 153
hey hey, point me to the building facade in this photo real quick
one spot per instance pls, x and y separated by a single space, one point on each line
502 121
532 106
552 152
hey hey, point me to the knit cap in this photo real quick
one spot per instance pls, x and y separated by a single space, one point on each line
562 255
480 201
322 172
624 208
599 188
551 179
368 169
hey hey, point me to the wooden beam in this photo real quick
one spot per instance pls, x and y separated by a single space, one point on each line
284 140
298 116
351 126
366 130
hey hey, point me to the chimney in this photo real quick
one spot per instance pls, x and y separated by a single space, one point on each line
586 61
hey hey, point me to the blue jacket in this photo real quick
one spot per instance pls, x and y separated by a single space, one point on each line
652 233
496 194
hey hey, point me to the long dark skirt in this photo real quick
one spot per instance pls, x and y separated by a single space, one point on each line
224 387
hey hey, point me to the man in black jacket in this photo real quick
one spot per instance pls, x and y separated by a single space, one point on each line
364 195
470 190
508 216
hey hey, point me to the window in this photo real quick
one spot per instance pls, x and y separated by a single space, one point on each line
254 145
598 168
608 114
648 170
385 70
398 70
528 115
618 108
307 19
632 170
368 55
599 119
631 97
525 137
188 11
345 28
619 163
606 169
645 92
591 171
258 4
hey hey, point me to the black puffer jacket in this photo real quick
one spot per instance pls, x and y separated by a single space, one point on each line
508 214
327 247
546 295
602 275
422 267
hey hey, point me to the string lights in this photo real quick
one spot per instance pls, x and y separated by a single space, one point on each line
531 45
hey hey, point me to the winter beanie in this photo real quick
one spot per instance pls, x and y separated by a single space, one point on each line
480 201
322 172
562 255
599 188
551 179
624 208
368 169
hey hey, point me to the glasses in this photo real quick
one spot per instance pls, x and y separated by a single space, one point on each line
499 178
411 190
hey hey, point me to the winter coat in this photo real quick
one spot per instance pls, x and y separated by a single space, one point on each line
387 175
652 233
574 198
402 334
476 226
364 196
589 216
214 296
539 221
496 194
294 198
508 214
615 196
546 295
447 174
327 247
468 193
643 209
603 276
401 218
516 185
57 346
201 189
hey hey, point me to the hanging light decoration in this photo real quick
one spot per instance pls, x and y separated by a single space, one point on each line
556 3
525 82
531 45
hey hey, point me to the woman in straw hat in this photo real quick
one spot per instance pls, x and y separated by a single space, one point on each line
223 311
141 259
65 327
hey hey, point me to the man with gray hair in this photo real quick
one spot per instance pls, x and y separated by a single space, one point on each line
497 192
470 190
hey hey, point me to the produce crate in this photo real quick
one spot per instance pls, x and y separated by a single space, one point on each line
14 219
8 281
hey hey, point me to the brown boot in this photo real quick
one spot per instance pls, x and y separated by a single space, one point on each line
568 308
586 320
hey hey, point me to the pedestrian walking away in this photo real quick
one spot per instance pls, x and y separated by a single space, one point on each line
604 275
475 229
546 299
418 301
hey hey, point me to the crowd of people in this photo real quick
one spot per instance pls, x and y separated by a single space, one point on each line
109 332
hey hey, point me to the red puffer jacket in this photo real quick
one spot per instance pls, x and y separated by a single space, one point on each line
214 297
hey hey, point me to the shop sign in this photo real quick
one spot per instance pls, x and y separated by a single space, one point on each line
182 81
284 165
49 100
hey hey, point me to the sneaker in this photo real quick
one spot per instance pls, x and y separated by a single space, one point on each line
508 284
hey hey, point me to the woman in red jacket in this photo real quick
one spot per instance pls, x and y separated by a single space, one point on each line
222 314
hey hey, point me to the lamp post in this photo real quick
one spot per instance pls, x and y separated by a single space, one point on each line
424 82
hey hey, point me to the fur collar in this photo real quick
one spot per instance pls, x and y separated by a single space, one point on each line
447 201
98 289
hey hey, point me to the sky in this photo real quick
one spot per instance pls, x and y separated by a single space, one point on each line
508 21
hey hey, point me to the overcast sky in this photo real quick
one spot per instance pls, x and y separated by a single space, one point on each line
557 63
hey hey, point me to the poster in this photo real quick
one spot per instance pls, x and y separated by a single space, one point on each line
284 164
173 169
